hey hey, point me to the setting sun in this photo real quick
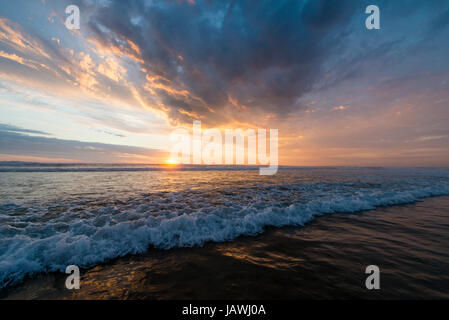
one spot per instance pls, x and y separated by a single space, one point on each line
171 162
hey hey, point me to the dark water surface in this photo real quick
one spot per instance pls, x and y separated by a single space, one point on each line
325 259
60 215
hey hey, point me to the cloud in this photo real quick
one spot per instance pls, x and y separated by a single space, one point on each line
17 143
112 133
64 68
16 58
229 61
10 128
221 61
10 34
289 64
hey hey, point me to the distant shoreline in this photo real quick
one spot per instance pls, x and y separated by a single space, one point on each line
97 164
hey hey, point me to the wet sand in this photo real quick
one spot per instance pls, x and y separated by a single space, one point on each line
326 259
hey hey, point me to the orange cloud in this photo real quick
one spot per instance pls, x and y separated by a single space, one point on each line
16 58
235 103
10 34
190 114
132 52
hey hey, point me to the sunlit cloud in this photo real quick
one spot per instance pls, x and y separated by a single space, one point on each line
135 71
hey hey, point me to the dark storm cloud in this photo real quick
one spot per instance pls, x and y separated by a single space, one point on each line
225 61
263 54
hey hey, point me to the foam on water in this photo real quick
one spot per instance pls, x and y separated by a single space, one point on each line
46 236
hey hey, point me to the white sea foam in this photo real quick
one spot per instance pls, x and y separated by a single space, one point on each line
46 237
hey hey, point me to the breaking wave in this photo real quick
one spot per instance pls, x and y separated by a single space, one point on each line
48 236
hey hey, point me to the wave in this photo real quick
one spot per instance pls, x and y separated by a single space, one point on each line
36 239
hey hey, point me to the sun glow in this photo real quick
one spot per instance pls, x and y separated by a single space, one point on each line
171 162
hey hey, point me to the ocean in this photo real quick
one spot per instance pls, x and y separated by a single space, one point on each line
52 216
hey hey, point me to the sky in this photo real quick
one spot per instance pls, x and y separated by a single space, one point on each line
114 91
